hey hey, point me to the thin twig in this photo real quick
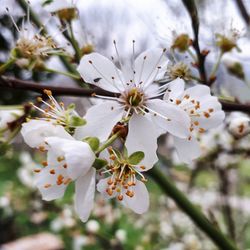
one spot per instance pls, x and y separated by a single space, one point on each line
13 83
243 11
192 10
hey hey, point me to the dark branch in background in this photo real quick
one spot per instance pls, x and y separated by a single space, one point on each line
224 184
192 10
243 11
13 83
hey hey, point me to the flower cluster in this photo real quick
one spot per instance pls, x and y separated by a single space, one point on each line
135 112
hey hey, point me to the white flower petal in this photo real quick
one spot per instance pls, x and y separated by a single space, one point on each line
179 122
53 192
7 116
35 131
142 136
198 92
77 155
79 158
102 187
139 203
85 193
100 119
47 182
99 70
213 121
175 89
146 66
187 150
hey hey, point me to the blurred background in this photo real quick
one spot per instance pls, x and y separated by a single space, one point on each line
218 182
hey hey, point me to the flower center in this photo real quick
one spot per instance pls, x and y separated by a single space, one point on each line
134 98
121 181
123 177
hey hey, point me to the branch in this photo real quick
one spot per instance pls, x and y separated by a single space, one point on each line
243 11
233 106
13 83
190 209
192 10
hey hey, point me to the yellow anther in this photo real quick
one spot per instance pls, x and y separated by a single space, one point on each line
120 197
45 163
52 171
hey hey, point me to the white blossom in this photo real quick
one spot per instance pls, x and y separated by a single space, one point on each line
68 160
137 103
203 109
239 124
124 184
92 226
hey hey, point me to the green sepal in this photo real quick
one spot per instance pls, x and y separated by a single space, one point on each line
46 2
136 158
93 142
117 153
71 107
99 163
76 121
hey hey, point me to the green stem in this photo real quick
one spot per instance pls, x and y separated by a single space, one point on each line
196 78
76 77
13 135
11 107
190 209
192 54
6 65
216 65
74 43
108 143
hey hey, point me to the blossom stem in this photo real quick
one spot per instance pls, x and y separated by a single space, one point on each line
196 78
108 142
11 107
216 65
71 75
192 54
6 65
74 43
190 209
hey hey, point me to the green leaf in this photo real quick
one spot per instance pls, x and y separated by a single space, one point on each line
46 2
71 107
99 163
136 158
93 142
125 152
117 153
76 121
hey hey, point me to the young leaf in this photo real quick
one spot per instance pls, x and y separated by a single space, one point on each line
93 142
99 163
136 158
76 121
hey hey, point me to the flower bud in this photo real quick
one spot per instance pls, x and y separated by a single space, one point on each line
182 42
92 226
239 126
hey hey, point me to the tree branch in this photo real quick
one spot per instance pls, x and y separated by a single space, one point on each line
192 10
13 83
243 11
190 209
